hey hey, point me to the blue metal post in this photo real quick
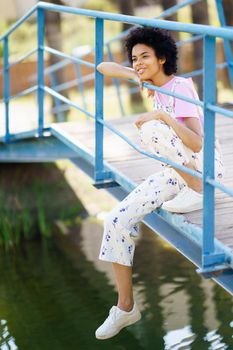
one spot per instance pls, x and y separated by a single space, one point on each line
99 110
40 69
226 43
209 257
6 87
209 132
102 178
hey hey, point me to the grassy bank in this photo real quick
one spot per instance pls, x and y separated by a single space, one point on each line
33 197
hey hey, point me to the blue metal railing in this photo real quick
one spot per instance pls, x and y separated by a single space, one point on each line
59 107
210 257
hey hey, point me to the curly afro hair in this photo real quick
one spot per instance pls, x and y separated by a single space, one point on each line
160 40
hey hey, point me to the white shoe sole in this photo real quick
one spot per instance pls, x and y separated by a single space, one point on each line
129 323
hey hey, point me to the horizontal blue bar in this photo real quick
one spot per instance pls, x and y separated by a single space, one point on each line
169 93
219 186
213 259
56 66
171 25
19 22
60 108
24 92
74 82
27 134
22 58
64 86
219 110
194 73
209 106
197 72
176 8
189 40
161 159
166 92
71 58
66 100
53 68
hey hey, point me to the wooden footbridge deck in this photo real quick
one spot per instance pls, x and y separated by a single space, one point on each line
136 167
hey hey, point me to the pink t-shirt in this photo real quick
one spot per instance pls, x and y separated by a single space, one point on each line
181 109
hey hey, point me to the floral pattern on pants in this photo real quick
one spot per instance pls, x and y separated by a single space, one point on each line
121 223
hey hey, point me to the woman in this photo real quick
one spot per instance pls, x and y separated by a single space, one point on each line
174 130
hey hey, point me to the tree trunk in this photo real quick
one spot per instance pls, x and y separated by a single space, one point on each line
200 16
126 7
54 39
166 4
228 10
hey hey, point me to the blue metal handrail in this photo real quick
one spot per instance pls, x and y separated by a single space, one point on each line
71 58
194 38
210 257
176 26
122 35
24 57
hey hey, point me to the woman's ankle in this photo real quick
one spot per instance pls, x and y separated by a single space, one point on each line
197 189
193 182
126 305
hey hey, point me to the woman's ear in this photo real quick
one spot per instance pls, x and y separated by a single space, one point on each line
162 60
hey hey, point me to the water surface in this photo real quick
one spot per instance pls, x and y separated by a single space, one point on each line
54 296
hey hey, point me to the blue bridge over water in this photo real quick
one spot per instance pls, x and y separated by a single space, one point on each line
108 151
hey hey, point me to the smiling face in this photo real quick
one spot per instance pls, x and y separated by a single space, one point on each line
146 63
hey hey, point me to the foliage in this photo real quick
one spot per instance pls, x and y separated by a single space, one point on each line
30 204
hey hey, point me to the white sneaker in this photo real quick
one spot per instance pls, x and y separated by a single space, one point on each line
117 320
187 200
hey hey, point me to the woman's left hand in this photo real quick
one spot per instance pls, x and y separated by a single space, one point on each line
146 117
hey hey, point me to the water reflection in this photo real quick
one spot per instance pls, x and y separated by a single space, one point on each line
215 341
54 300
176 301
179 339
6 340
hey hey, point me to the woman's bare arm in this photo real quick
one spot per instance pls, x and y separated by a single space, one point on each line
115 70
190 133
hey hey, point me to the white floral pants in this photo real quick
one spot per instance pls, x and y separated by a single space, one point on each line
121 223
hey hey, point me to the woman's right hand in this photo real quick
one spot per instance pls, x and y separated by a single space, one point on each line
150 93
